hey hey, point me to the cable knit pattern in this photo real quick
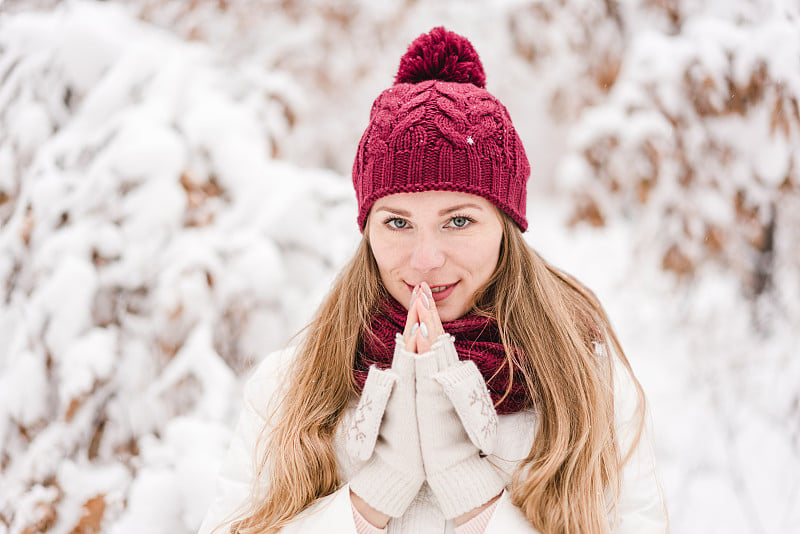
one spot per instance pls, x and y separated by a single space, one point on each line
444 136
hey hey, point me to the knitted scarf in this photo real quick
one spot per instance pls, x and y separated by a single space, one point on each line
476 338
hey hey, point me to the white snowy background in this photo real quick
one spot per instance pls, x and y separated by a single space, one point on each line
175 200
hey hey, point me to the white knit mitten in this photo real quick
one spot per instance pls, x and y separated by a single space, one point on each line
388 438
453 432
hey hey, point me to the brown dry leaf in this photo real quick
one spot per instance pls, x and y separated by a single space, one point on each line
779 118
97 438
795 110
597 154
700 91
197 194
211 188
677 262
756 234
587 211
198 191
606 73
27 226
791 181
714 239
643 188
744 212
127 449
687 176
759 80
737 98
186 181
92 516
72 409
169 349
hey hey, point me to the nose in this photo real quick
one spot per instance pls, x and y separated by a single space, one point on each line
428 253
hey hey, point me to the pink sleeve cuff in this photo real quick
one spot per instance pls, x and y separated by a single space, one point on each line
363 526
477 525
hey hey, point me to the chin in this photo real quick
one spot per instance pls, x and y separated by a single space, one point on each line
447 314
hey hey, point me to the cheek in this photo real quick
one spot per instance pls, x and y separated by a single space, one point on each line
387 255
487 261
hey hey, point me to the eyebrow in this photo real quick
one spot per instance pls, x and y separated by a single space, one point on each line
451 209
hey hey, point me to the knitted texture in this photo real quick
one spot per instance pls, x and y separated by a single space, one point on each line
442 132
476 339
394 474
364 426
460 478
466 389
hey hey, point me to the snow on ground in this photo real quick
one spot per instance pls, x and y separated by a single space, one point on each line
152 249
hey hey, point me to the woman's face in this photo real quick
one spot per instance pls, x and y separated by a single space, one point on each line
450 240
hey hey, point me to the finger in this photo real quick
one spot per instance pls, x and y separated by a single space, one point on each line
429 314
410 336
436 321
411 340
411 315
422 339
412 319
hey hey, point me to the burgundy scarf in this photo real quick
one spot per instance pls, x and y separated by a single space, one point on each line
476 338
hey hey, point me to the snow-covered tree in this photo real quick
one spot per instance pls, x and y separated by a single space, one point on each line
697 139
151 251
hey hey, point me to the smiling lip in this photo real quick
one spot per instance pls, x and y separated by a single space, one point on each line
440 295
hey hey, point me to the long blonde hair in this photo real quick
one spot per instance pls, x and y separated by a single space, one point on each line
552 328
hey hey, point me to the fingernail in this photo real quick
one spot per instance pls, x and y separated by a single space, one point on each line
413 297
425 301
414 329
424 329
427 289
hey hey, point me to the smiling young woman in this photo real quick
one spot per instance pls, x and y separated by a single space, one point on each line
452 380
447 239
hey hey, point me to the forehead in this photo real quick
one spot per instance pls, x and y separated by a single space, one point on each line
424 201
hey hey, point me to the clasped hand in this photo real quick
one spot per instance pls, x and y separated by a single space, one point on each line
437 420
422 323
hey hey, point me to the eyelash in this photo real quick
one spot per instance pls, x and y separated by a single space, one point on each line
469 220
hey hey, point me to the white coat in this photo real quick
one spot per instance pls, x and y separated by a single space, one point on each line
640 508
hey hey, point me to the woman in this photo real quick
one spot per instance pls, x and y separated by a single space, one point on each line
452 381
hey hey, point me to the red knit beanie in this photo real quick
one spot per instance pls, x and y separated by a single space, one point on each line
437 128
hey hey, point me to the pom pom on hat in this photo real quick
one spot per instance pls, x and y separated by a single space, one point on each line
441 55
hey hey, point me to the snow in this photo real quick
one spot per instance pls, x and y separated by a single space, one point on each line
175 202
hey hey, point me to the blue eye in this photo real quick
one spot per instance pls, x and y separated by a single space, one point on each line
396 223
460 221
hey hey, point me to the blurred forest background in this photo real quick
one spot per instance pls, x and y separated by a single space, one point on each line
175 200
